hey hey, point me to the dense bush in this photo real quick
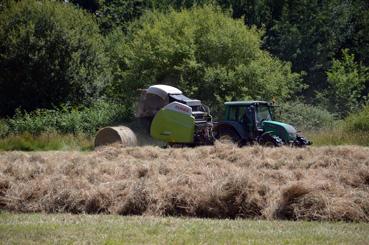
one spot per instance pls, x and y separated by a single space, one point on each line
349 84
4 128
5 4
66 119
118 14
45 142
50 53
358 122
304 116
205 53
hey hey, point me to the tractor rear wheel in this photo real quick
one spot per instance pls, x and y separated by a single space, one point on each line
228 135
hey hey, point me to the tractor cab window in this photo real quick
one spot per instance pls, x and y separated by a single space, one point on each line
233 113
242 114
263 113
237 113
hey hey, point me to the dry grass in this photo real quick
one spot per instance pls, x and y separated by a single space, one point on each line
221 181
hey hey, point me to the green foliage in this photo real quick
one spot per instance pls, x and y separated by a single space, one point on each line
50 53
358 122
206 54
309 33
304 116
349 82
45 142
259 13
359 42
4 128
118 13
89 5
353 130
5 4
337 136
68 120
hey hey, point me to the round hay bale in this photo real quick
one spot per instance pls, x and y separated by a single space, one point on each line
110 135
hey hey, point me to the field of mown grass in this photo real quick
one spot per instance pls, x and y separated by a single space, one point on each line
114 229
221 181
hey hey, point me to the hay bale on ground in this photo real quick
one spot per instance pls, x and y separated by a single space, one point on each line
110 135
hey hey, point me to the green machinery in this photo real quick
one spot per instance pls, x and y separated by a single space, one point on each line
249 122
179 120
175 118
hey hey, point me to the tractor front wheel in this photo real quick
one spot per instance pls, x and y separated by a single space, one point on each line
270 141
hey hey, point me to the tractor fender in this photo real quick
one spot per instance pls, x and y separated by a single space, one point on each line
236 126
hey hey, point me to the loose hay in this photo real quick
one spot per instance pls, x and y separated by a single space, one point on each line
221 181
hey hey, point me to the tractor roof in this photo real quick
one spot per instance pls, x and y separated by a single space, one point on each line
247 102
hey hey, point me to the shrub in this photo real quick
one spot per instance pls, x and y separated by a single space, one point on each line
358 122
353 130
68 119
304 116
45 142
338 136
348 82
51 53
4 128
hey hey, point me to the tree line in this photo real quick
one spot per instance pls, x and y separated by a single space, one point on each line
76 52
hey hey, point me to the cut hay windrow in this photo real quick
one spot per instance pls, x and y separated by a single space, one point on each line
221 181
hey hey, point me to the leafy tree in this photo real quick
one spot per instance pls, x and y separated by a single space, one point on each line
259 13
205 53
359 41
113 14
90 5
349 83
119 13
50 53
309 33
5 4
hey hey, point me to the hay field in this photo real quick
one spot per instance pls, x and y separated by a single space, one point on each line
221 181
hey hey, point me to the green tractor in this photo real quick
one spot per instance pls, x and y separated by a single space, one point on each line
249 122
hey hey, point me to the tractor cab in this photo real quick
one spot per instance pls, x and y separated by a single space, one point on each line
246 122
250 114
